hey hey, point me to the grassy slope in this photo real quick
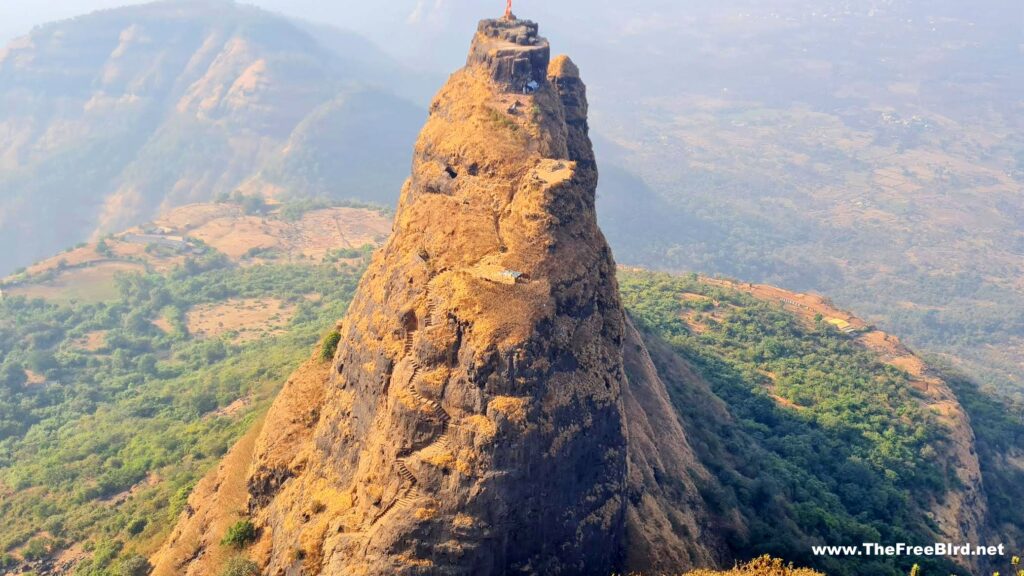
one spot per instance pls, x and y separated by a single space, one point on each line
106 449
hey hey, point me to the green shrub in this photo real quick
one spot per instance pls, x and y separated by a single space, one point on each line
330 346
501 120
38 548
240 534
348 253
135 527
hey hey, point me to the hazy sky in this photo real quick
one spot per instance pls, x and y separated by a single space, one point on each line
415 31
19 16
432 35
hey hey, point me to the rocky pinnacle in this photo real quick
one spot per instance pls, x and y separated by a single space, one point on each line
473 420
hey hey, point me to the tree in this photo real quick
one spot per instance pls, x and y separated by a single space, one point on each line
146 364
12 376
38 548
41 361
251 204
135 527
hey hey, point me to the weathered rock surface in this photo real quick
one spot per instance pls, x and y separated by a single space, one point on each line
477 418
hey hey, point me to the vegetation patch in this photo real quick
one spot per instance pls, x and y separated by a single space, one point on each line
240 534
92 283
330 346
144 414
849 457
240 566
761 566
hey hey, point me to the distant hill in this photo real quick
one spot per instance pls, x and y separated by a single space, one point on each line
109 117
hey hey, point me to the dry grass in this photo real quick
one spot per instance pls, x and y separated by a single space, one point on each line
763 566
75 257
309 238
92 284
89 276
34 378
91 342
515 409
250 318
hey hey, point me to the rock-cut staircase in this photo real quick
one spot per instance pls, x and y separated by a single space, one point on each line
443 440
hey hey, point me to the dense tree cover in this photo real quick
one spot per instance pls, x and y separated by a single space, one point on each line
102 445
842 454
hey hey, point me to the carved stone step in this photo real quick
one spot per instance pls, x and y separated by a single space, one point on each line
445 441
431 311
404 472
433 405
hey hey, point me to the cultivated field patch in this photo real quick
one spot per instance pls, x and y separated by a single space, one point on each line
243 319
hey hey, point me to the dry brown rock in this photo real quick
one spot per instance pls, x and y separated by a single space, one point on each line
477 418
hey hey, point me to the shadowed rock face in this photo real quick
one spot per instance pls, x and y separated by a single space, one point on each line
474 419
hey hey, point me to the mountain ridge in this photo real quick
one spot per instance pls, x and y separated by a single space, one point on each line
182 102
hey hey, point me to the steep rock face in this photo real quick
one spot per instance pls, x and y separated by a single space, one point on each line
667 526
475 416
